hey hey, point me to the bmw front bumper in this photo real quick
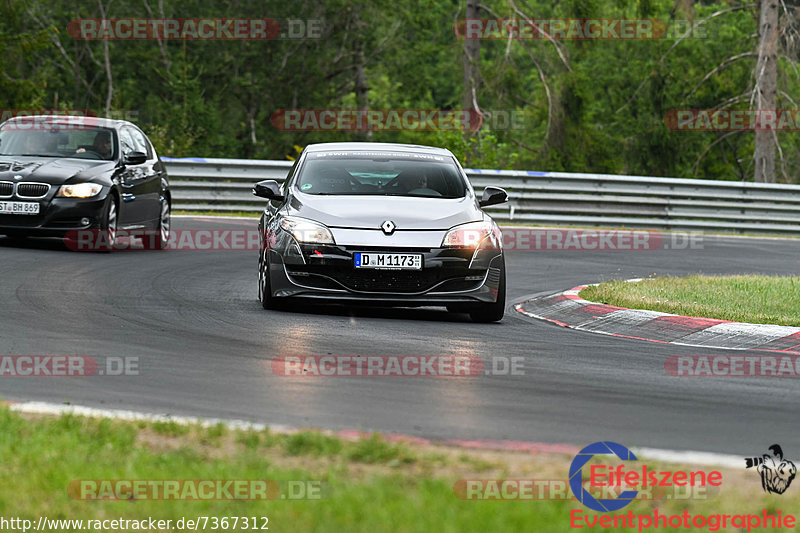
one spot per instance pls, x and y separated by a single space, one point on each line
57 216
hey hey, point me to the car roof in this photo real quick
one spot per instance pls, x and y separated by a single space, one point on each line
65 119
361 146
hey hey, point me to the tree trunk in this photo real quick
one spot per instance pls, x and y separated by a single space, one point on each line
472 50
107 58
360 85
766 90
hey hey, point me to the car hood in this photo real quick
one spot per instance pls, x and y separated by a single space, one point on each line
369 212
51 170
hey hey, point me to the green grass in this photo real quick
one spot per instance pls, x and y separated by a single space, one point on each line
746 298
369 484
42 455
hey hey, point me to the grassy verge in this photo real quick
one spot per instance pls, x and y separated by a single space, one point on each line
370 484
757 299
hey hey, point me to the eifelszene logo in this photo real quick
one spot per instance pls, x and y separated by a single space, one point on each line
619 479
776 472
576 476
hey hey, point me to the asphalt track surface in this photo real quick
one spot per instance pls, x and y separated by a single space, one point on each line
205 344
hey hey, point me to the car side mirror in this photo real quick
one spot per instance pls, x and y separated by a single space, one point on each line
135 158
493 196
268 189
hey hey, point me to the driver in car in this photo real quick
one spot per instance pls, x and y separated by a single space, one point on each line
412 182
101 146
417 184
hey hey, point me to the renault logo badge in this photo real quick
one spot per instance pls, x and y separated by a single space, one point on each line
388 227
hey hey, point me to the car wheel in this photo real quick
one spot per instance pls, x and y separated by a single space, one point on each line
268 301
160 240
493 312
108 226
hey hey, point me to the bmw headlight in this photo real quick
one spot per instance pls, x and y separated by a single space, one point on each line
472 235
307 231
81 190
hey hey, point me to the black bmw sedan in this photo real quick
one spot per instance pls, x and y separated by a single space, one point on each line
63 175
386 224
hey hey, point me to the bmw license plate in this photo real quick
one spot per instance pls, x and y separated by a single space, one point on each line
388 261
19 208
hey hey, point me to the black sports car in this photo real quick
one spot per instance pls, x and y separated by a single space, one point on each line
62 175
387 224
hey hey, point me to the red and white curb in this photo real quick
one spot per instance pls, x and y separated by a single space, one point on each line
567 309
667 456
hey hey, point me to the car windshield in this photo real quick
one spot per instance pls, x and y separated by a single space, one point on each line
381 174
51 140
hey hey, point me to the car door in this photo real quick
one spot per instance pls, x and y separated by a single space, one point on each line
131 183
150 189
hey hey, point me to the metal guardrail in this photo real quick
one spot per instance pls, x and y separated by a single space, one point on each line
541 198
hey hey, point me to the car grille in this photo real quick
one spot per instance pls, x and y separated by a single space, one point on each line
387 281
32 190
6 188
396 281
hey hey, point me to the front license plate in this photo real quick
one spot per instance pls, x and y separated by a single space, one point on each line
19 208
388 261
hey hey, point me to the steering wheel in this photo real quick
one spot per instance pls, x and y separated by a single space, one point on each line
91 152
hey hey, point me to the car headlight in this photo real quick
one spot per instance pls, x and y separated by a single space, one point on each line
472 235
307 231
81 190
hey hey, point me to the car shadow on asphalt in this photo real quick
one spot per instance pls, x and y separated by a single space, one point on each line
427 314
33 243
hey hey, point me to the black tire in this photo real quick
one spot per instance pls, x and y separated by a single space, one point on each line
493 312
268 301
108 225
160 239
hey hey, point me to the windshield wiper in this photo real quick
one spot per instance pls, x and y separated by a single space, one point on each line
39 155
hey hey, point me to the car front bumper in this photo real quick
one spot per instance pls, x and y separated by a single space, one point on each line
449 276
57 216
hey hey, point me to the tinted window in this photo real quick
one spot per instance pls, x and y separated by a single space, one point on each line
288 180
139 141
381 174
51 140
126 141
